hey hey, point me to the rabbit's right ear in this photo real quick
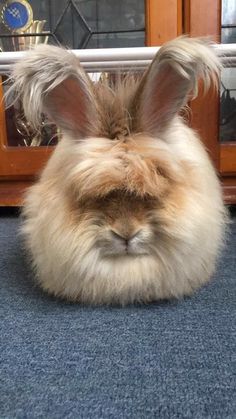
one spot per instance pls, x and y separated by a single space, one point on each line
172 80
50 80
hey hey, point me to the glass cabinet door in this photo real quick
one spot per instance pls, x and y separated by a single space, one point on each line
227 118
75 24
228 76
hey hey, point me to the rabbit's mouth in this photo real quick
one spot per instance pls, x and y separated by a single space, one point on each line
116 245
127 252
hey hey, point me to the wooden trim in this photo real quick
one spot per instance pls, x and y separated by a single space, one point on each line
12 192
202 18
186 16
229 188
163 21
23 161
230 195
180 23
228 158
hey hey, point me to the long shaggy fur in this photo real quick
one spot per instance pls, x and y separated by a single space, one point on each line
129 207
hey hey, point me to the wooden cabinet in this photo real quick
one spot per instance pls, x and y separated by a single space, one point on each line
165 19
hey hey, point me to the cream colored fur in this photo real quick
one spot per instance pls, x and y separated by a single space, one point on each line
152 184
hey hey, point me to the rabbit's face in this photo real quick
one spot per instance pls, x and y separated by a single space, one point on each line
122 193
122 227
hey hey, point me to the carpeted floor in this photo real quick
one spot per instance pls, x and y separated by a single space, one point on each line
164 360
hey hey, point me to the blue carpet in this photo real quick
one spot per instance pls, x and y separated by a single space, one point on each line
164 360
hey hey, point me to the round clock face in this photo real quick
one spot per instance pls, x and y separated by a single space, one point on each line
17 15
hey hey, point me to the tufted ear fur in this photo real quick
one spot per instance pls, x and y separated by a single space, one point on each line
172 79
50 80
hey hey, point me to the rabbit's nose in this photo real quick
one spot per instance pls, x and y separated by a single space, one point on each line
122 236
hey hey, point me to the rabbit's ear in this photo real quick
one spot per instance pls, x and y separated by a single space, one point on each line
50 80
172 79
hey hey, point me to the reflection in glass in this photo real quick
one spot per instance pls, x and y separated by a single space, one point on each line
228 105
228 35
19 130
228 76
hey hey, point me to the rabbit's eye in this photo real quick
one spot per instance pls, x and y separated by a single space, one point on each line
98 223
163 172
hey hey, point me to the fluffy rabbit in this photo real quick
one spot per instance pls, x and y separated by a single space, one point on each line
129 207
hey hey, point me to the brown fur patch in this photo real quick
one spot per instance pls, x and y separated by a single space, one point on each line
116 107
125 166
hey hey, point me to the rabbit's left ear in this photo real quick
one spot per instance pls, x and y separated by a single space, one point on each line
172 79
50 80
